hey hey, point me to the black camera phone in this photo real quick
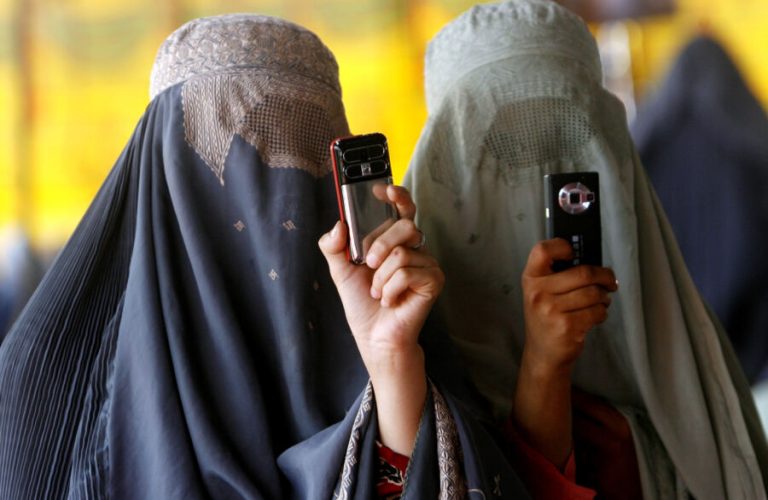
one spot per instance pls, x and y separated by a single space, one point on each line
362 172
573 214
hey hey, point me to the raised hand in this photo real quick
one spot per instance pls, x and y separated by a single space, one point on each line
560 309
386 302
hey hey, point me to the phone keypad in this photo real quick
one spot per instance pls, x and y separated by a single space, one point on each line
576 243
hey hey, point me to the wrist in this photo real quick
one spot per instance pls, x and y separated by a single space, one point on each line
400 385
545 371
388 361
542 407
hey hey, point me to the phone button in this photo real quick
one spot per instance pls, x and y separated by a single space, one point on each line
378 167
375 152
355 155
353 171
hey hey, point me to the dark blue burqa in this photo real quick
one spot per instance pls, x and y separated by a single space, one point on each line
188 341
20 272
703 138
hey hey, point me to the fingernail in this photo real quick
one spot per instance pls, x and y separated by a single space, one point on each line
372 260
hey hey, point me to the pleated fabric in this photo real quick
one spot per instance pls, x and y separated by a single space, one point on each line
188 341
21 269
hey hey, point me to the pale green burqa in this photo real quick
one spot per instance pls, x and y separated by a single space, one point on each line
514 92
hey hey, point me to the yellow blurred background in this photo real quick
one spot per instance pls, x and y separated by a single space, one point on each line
74 79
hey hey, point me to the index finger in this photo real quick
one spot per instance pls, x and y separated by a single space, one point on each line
400 196
581 276
544 254
403 232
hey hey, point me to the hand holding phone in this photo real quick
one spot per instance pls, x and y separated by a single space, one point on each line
386 303
573 214
362 171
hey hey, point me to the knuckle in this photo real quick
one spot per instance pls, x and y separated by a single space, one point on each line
440 276
562 324
539 251
402 256
391 283
585 273
536 298
435 276
594 294
432 287
407 224
601 314
531 284
547 308
406 273
398 276
525 281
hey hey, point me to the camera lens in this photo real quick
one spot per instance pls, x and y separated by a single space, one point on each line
575 198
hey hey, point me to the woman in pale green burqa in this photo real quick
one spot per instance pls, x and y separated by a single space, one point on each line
513 93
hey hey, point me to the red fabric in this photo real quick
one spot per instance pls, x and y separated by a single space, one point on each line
392 467
605 450
541 477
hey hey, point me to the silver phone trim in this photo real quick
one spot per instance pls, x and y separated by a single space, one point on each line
350 193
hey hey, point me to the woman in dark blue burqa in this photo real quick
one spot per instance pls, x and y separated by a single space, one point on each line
703 138
189 342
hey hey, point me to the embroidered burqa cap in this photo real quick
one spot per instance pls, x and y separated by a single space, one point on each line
514 92
248 70
237 42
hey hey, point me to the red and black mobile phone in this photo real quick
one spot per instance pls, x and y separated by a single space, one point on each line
362 171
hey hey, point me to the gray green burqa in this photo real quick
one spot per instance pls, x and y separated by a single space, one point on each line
514 92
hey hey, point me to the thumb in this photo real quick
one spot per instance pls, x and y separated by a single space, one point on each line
333 245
